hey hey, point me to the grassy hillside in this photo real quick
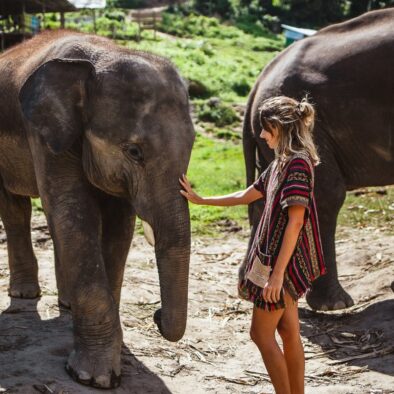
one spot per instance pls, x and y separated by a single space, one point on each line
223 61
220 60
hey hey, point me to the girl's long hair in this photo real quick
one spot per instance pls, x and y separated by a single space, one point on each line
294 121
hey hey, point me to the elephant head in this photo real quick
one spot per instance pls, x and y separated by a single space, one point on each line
127 119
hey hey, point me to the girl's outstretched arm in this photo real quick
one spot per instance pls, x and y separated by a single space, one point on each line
241 197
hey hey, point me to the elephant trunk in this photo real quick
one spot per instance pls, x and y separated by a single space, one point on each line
172 247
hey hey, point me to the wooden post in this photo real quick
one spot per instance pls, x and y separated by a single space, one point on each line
154 25
22 27
94 20
44 10
62 20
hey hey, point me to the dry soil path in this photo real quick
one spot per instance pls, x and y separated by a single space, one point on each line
347 352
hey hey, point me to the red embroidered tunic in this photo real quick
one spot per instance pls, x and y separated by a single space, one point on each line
281 189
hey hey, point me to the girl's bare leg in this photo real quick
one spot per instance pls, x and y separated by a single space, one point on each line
262 332
289 330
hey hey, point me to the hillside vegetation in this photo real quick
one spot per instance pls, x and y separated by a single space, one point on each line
221 61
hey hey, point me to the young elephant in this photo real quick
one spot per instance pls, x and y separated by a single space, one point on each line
347 69
102 134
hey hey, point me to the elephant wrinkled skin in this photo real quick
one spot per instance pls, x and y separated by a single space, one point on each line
347 71
102 134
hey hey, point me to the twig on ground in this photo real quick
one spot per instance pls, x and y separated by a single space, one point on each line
240 381
321 354
373 354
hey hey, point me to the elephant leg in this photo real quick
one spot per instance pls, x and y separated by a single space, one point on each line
327 293
75 220
61 282
118 228
15 211
76 227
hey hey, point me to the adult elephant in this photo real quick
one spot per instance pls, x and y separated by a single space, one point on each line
347 70
102 134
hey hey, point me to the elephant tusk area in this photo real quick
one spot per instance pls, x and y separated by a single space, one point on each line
148 232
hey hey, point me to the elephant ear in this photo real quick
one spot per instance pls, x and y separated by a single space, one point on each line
53 101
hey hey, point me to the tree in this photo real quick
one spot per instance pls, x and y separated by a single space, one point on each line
210 7
358 7
138 3
313 13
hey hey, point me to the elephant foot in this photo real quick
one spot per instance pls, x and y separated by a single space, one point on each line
111 381
24 290
99 368
329 298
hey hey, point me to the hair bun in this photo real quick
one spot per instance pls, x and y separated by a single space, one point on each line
305 111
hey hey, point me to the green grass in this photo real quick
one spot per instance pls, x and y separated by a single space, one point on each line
226 61
223 58
229 73
374 207
216 168
36 204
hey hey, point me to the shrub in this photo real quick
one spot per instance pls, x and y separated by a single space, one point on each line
223 8
215 112
269 46
228 135
196 25
197 89
241 87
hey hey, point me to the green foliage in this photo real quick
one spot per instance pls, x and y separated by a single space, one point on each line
223 133
241 87
216 168
373 206
115 14
229 76
196 25
125 4
314 13
36 204
222 8
358 7
216 112
270 13
250 25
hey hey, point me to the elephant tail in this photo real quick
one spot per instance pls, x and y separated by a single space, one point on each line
249 148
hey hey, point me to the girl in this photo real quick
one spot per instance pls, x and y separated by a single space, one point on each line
286 254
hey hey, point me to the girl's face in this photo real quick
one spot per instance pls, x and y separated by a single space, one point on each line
271 137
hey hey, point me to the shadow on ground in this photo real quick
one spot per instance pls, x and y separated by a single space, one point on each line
28 332
354 335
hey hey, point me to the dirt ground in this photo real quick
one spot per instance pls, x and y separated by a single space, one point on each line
349 351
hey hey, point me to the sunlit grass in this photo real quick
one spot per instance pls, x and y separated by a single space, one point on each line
227 62
228 68
369 207
216 168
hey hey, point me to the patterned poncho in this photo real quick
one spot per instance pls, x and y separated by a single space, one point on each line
293 185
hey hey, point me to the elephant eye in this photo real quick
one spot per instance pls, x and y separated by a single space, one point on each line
134 152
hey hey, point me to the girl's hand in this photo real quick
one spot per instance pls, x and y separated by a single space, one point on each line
189 193
273 287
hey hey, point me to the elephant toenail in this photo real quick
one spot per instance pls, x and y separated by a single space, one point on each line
339 305
324 307
102 381
84 376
